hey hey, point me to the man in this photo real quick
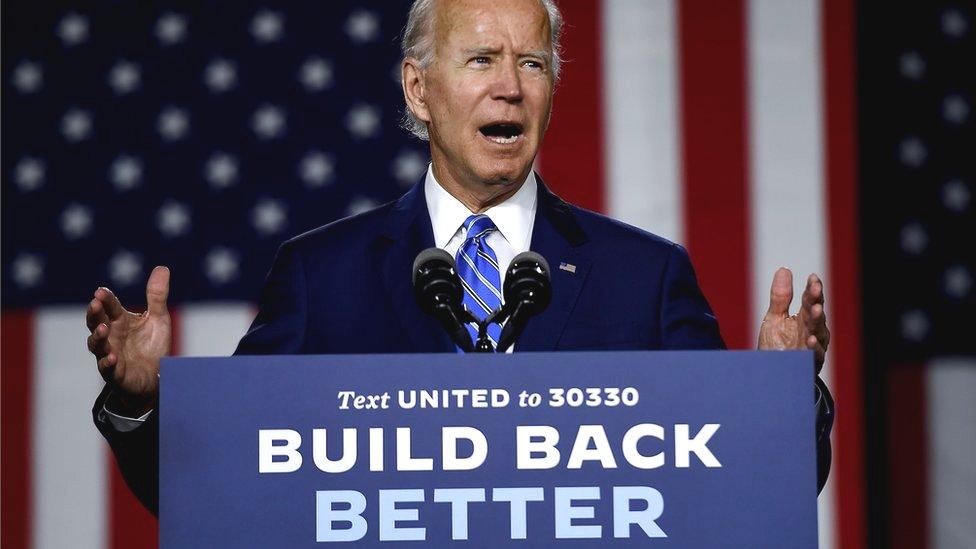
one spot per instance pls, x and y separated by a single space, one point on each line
478 79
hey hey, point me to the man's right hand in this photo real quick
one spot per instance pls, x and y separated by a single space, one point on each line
128 345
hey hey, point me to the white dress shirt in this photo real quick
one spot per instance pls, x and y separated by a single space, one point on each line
514 219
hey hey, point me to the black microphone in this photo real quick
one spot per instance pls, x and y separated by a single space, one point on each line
528 290
438 291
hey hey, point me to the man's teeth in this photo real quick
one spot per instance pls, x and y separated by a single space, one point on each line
503 140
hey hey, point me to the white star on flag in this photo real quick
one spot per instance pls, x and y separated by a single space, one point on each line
914 239
124 77
315 74
956 195
268 216
125 173
221 265
954 24
173 219
912 65
171 29
362 26
173 124
220 75
76 125
408 167
220 170
267 26
958 282
73 29
29 174
268 122
124 268
912 152
28 77
955 109
316 169
914 325
363 121
27 270
76 221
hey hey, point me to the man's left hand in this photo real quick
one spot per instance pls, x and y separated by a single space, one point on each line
807 329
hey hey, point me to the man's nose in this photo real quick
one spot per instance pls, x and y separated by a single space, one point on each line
507 85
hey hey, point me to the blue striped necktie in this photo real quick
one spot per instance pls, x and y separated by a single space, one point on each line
477 266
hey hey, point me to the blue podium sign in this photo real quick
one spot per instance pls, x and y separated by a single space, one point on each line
677 449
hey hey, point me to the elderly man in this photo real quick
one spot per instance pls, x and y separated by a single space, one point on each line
478 79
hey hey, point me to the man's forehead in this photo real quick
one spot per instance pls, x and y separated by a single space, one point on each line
491 23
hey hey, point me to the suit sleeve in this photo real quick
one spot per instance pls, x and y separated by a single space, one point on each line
279 328
689 323
136 452
824 403
281 323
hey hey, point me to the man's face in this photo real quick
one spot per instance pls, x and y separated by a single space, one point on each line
489 89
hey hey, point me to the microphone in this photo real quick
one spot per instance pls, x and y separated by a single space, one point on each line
528 290
438 291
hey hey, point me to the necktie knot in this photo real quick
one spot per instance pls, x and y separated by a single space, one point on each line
478 226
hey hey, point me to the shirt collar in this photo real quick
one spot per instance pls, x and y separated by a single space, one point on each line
513 217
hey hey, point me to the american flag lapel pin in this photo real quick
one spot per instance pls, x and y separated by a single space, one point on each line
568 267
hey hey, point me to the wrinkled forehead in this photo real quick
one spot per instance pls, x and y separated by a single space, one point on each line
522 25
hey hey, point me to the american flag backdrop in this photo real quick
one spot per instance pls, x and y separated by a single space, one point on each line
823 135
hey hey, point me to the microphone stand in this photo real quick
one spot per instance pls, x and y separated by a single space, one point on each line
483 344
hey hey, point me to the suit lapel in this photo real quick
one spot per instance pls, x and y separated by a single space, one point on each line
557 237
408 232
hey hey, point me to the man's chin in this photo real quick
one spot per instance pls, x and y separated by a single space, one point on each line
507 174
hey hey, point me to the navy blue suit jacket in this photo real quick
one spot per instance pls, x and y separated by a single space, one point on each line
346 288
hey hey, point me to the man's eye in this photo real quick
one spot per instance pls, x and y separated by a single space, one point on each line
482 60
533 64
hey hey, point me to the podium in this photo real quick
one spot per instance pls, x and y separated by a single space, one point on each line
628 449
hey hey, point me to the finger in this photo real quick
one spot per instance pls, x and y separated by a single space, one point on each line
106 367
98 342
819 352
157 290
816 321
113 307
816 324
780 294
95 315
813 293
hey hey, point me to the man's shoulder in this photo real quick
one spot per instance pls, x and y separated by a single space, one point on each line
353 232
618 236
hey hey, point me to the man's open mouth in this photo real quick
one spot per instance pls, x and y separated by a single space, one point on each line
503 133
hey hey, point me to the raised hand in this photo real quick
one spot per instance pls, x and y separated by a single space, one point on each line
807 329
128 346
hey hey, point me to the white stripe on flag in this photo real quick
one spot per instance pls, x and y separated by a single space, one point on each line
213 329
642 143
70 466
951 400
786 162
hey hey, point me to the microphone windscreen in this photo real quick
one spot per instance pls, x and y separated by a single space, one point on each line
530 256
428 255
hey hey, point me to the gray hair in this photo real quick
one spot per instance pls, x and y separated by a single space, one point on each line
418 42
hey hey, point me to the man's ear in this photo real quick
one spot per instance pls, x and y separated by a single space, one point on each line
414 90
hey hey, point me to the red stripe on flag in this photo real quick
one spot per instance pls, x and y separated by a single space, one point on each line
714 114
907 447
838 40
17 359
130 524
572 152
